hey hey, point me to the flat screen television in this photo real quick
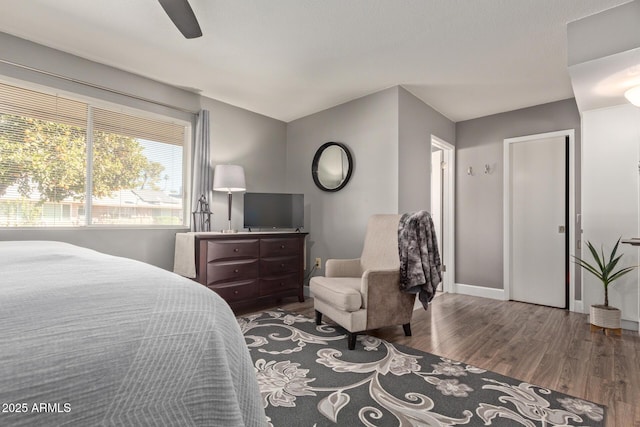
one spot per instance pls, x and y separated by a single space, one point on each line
273 210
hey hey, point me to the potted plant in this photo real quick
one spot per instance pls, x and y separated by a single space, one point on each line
603 316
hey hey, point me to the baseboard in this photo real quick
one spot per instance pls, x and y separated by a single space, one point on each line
629 324
479 291
578 307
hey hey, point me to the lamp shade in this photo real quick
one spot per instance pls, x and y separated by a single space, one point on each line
633 95
229 178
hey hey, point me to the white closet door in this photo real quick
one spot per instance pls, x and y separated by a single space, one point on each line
538 206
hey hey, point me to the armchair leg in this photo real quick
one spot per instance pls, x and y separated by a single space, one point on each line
318 317
352 340
407 329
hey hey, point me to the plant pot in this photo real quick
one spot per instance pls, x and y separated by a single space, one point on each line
605 316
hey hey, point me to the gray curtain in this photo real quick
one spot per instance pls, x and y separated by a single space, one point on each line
202 174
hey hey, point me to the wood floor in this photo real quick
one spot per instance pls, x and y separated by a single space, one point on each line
545 346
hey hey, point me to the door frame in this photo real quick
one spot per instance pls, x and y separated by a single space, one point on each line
448 210
507 217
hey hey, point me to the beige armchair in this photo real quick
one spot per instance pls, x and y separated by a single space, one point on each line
364 293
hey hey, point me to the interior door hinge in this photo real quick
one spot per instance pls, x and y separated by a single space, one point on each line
444 268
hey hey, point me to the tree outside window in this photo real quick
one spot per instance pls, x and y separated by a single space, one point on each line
43 163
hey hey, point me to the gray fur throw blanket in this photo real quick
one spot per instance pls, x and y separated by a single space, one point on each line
419 257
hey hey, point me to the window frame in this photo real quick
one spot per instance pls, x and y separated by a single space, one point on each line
92 103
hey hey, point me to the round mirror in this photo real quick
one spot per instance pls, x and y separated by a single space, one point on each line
332 166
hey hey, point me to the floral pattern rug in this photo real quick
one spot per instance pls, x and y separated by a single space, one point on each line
307 377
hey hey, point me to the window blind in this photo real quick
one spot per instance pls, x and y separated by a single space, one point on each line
136 166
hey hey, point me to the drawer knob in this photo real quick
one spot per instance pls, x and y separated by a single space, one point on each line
281 246
235 292
236 250
236 270
281 283
282 265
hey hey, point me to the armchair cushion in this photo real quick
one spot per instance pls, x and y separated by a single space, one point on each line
341 292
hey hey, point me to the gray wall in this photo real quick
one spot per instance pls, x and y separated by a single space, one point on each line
417 122
256 142
153 246
237 136
479 198
29 54
368 126
389 135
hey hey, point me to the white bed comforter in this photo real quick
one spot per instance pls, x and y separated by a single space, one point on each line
91 339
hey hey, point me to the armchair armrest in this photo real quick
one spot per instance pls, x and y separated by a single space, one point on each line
385 302
343 268
378 278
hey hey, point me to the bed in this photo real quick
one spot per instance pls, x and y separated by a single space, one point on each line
92 339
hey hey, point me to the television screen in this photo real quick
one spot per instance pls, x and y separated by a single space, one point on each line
273 210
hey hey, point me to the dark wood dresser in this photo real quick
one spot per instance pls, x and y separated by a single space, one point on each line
247 267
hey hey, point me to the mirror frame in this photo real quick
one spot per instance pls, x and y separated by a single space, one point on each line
316 160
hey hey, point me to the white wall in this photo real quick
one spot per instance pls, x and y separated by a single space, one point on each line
606 33
610 162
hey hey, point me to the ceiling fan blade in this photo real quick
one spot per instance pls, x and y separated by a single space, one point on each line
182 16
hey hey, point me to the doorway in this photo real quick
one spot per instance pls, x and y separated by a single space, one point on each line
539 204
442 206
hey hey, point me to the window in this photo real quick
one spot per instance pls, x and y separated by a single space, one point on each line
69 163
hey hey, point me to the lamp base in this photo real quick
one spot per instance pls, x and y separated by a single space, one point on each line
228 231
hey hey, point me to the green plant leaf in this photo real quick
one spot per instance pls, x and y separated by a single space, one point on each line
611 265
591 269
595 255
604 267
615 249
621 273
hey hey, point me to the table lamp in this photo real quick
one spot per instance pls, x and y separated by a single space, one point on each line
229 178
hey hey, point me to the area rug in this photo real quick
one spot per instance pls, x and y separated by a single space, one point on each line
307 377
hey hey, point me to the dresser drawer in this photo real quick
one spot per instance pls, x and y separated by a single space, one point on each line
276 284
232 249
279 247
278 266
248 268
224 271
237 291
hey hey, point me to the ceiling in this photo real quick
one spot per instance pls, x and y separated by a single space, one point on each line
289 58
